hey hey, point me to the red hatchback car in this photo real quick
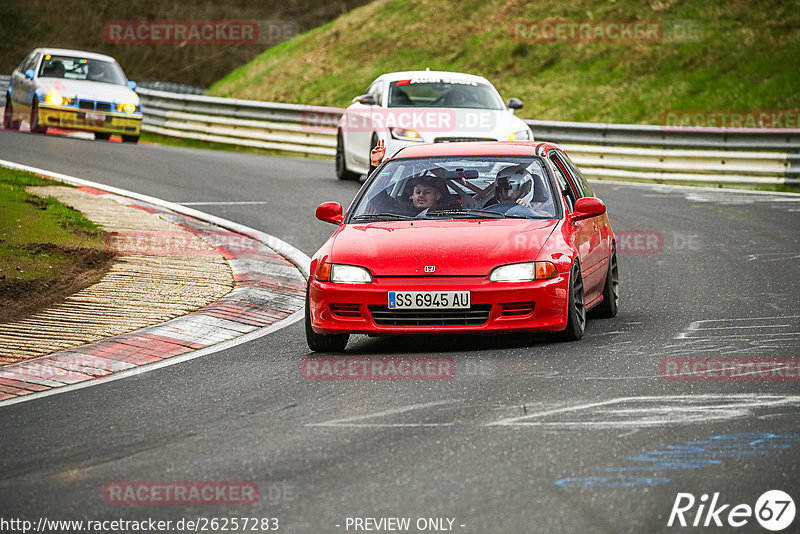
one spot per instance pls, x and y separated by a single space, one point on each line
481 237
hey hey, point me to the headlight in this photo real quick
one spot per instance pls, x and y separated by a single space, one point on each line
127 108
524 272
522 135
56 99
404 135
343 274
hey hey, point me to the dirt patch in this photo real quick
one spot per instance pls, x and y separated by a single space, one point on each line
19 299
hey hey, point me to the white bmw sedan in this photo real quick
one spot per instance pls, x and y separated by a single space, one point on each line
73 90
415 107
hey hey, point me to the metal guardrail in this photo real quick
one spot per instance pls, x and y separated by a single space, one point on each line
5 79
622 151
172 87
667 137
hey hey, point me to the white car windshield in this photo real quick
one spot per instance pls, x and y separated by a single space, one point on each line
443 94
492 187
78 68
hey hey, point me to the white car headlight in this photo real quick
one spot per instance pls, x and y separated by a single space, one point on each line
350 274
56 99
524 272
522 135
405 135
342 274
127 107
517 272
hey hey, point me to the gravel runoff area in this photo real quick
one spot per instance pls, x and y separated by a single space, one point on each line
162 271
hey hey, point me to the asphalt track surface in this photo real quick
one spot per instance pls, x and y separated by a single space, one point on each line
530 435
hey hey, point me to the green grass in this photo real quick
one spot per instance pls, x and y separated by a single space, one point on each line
38 235
747 58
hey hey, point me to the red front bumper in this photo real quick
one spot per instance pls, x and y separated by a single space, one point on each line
495 306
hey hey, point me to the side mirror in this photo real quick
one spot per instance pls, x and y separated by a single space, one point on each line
586 208
514 103
367 100
132 85
330 212
30 74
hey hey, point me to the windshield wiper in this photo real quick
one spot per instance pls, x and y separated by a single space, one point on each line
381 216
472 212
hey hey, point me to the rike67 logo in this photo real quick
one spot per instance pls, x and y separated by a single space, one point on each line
774 510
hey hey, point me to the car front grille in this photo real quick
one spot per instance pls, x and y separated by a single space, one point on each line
461 139
474 316
93 105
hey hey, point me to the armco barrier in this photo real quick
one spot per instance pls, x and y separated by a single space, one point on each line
624 151
4 80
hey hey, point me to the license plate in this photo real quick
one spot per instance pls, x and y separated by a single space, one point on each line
415 300
95 117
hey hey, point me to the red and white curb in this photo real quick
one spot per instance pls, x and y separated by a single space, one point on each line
269 294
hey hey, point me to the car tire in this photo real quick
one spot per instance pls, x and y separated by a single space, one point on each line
9 122
101 136
341 164
576 313
35 126
610 305
323 342
130 139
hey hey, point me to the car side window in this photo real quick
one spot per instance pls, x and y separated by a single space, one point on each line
563 183
558 161
29 62
376 90
580 179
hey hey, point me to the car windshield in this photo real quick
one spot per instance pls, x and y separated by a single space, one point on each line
78 68
454 93
457 187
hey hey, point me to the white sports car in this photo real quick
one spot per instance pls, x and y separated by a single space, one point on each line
415 107
74 90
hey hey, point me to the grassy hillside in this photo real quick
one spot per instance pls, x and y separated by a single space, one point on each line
746 59
26 24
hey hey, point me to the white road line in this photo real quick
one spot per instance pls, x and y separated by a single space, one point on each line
662 410
223 203
696 327
348 421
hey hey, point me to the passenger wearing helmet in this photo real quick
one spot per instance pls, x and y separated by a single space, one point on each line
510 188
517 191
